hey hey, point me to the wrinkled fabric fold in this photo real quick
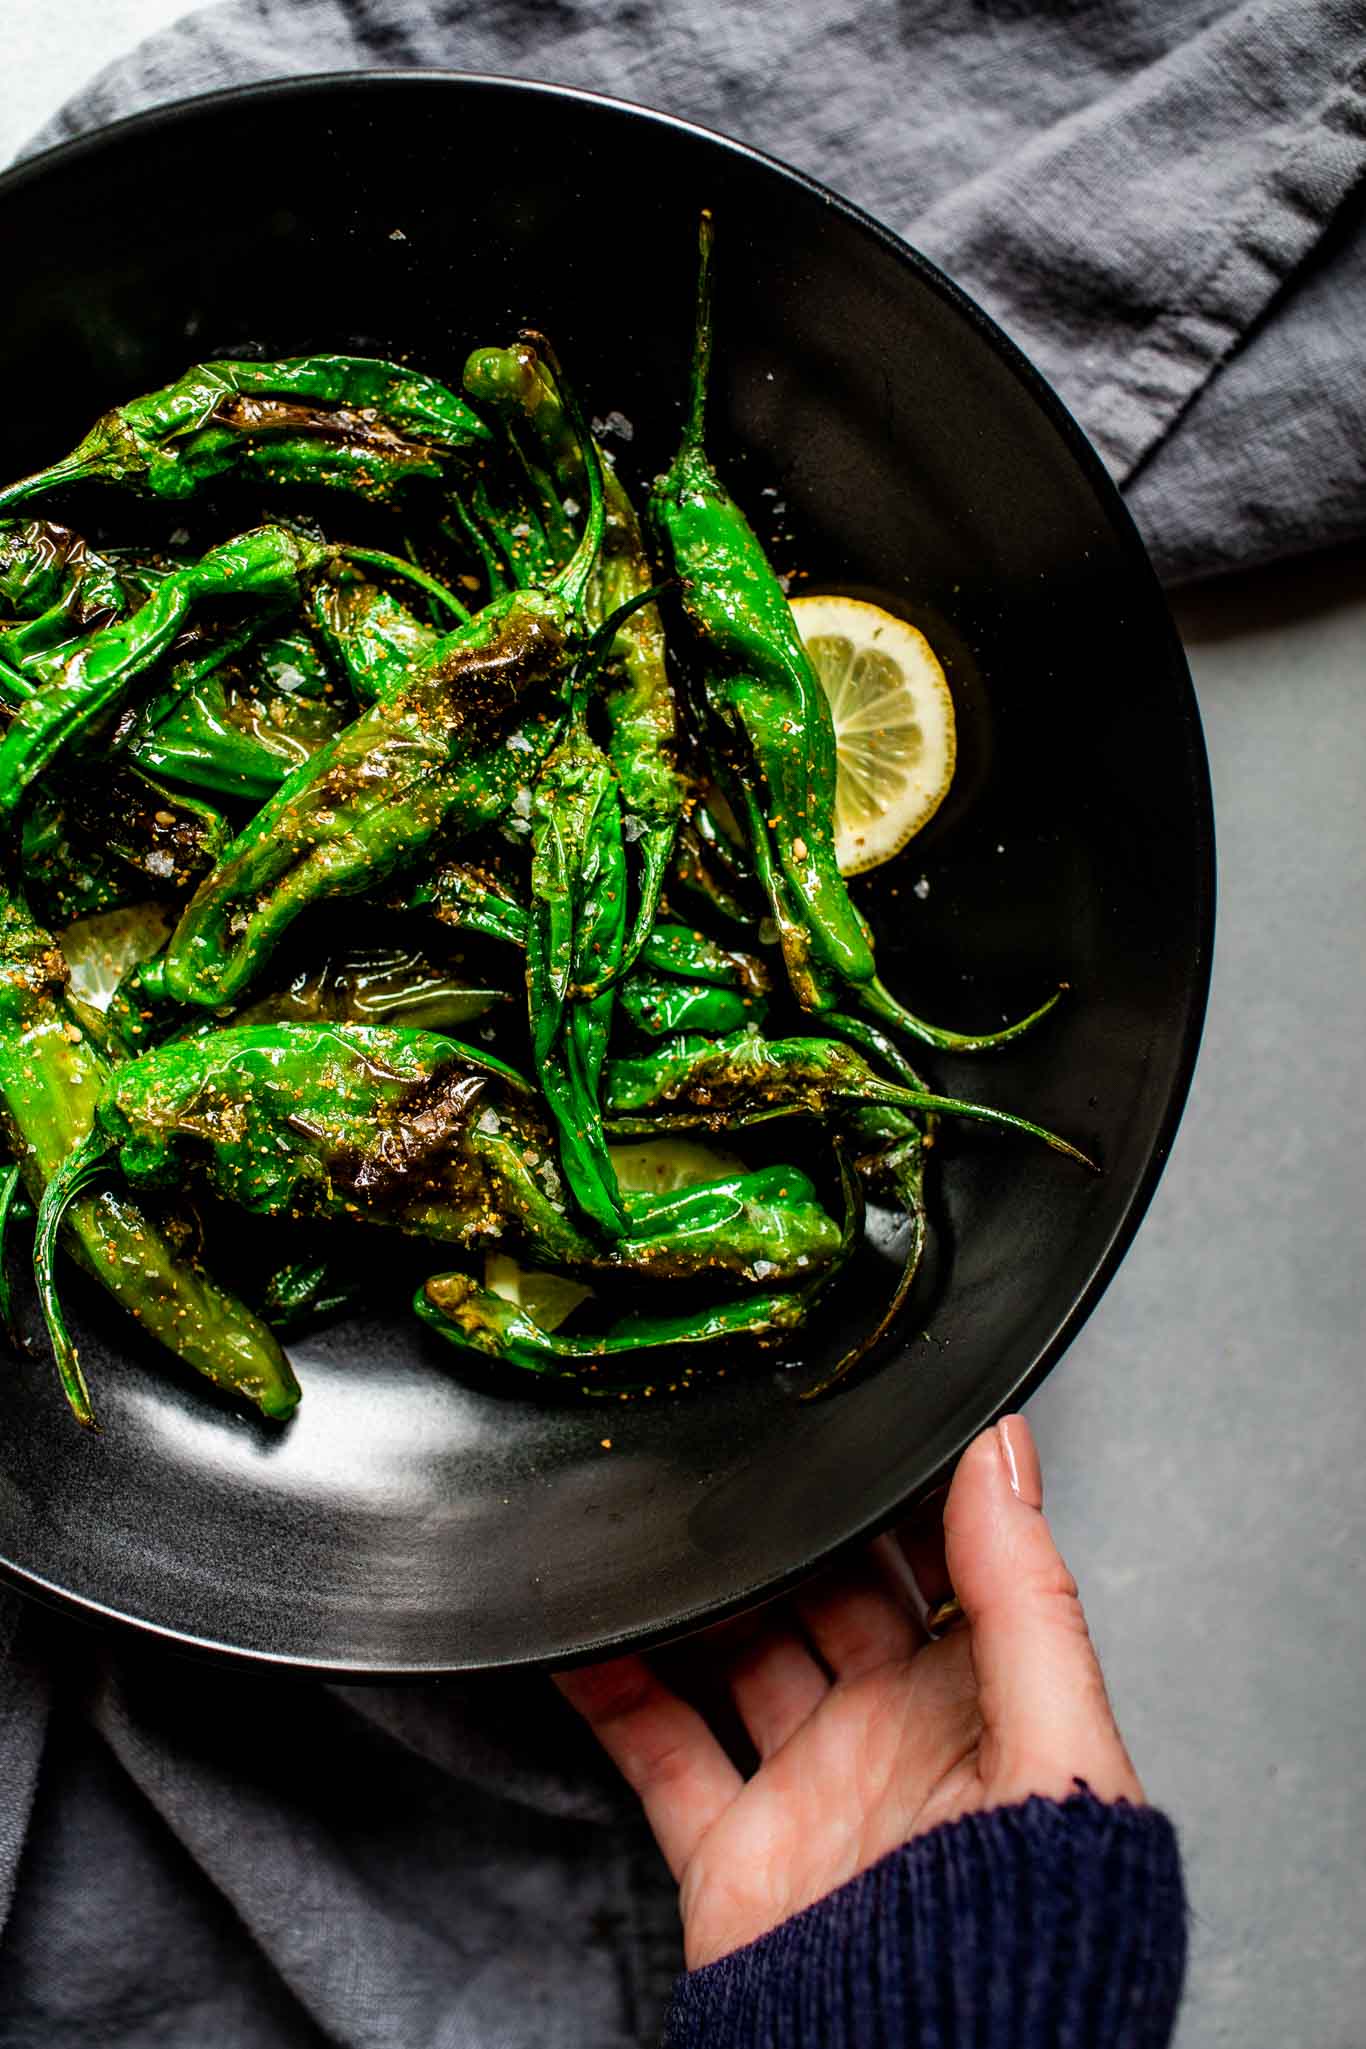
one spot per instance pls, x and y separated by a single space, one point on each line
252 1859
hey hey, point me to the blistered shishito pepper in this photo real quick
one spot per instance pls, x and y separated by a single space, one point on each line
51 1077
95 590
237 725
314 1120
41 565
478 1321
679 950
662 1007
516 386
268 567
697 876
575 937
481 1322
889 1147
762 1224
378 984
772 721
419 1132
463 895
353 424
761 691
467 896
93 841
642 717
352 420
577 924
723 1084
444 755
376 640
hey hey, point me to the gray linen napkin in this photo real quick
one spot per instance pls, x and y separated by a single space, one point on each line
1161 200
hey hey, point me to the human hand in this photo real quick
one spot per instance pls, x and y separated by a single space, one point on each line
867 1734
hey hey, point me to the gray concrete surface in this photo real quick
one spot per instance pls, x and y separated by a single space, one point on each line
1204 1438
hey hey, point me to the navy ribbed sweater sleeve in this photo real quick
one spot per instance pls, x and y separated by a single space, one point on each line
1051 1925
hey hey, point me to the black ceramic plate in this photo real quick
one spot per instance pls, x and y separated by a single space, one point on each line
410 1520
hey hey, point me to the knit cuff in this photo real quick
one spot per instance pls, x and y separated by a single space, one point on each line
1051 1925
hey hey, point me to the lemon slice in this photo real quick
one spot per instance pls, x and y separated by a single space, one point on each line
659 1166
548 1299
894 732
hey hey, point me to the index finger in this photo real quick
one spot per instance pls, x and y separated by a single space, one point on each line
662 1747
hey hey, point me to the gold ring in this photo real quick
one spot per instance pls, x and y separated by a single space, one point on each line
944 1616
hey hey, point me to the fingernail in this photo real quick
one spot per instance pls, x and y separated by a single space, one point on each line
1020 1456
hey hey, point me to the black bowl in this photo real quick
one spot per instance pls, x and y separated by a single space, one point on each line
411 1520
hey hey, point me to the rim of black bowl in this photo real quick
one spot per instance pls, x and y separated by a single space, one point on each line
175 112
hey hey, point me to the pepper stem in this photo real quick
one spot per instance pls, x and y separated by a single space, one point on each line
883 1004
68 471
906 1162
375 558
693 433
871 1041
595 653
954 1106
89 1162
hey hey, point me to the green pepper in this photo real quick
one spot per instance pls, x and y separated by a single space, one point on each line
767 704
51 1076
267 566
419 1132
376 640
366 424
771 722
679 950
94 842
575 937
469 1316
662 1007
481 1322
304 1120
891 1163
520 389
467 895
237 725
445 755
695 876
40 562
723 1084
380 984
757 1225
578 926
638 701
96 590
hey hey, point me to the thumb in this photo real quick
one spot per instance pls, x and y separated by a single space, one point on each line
1046 1717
